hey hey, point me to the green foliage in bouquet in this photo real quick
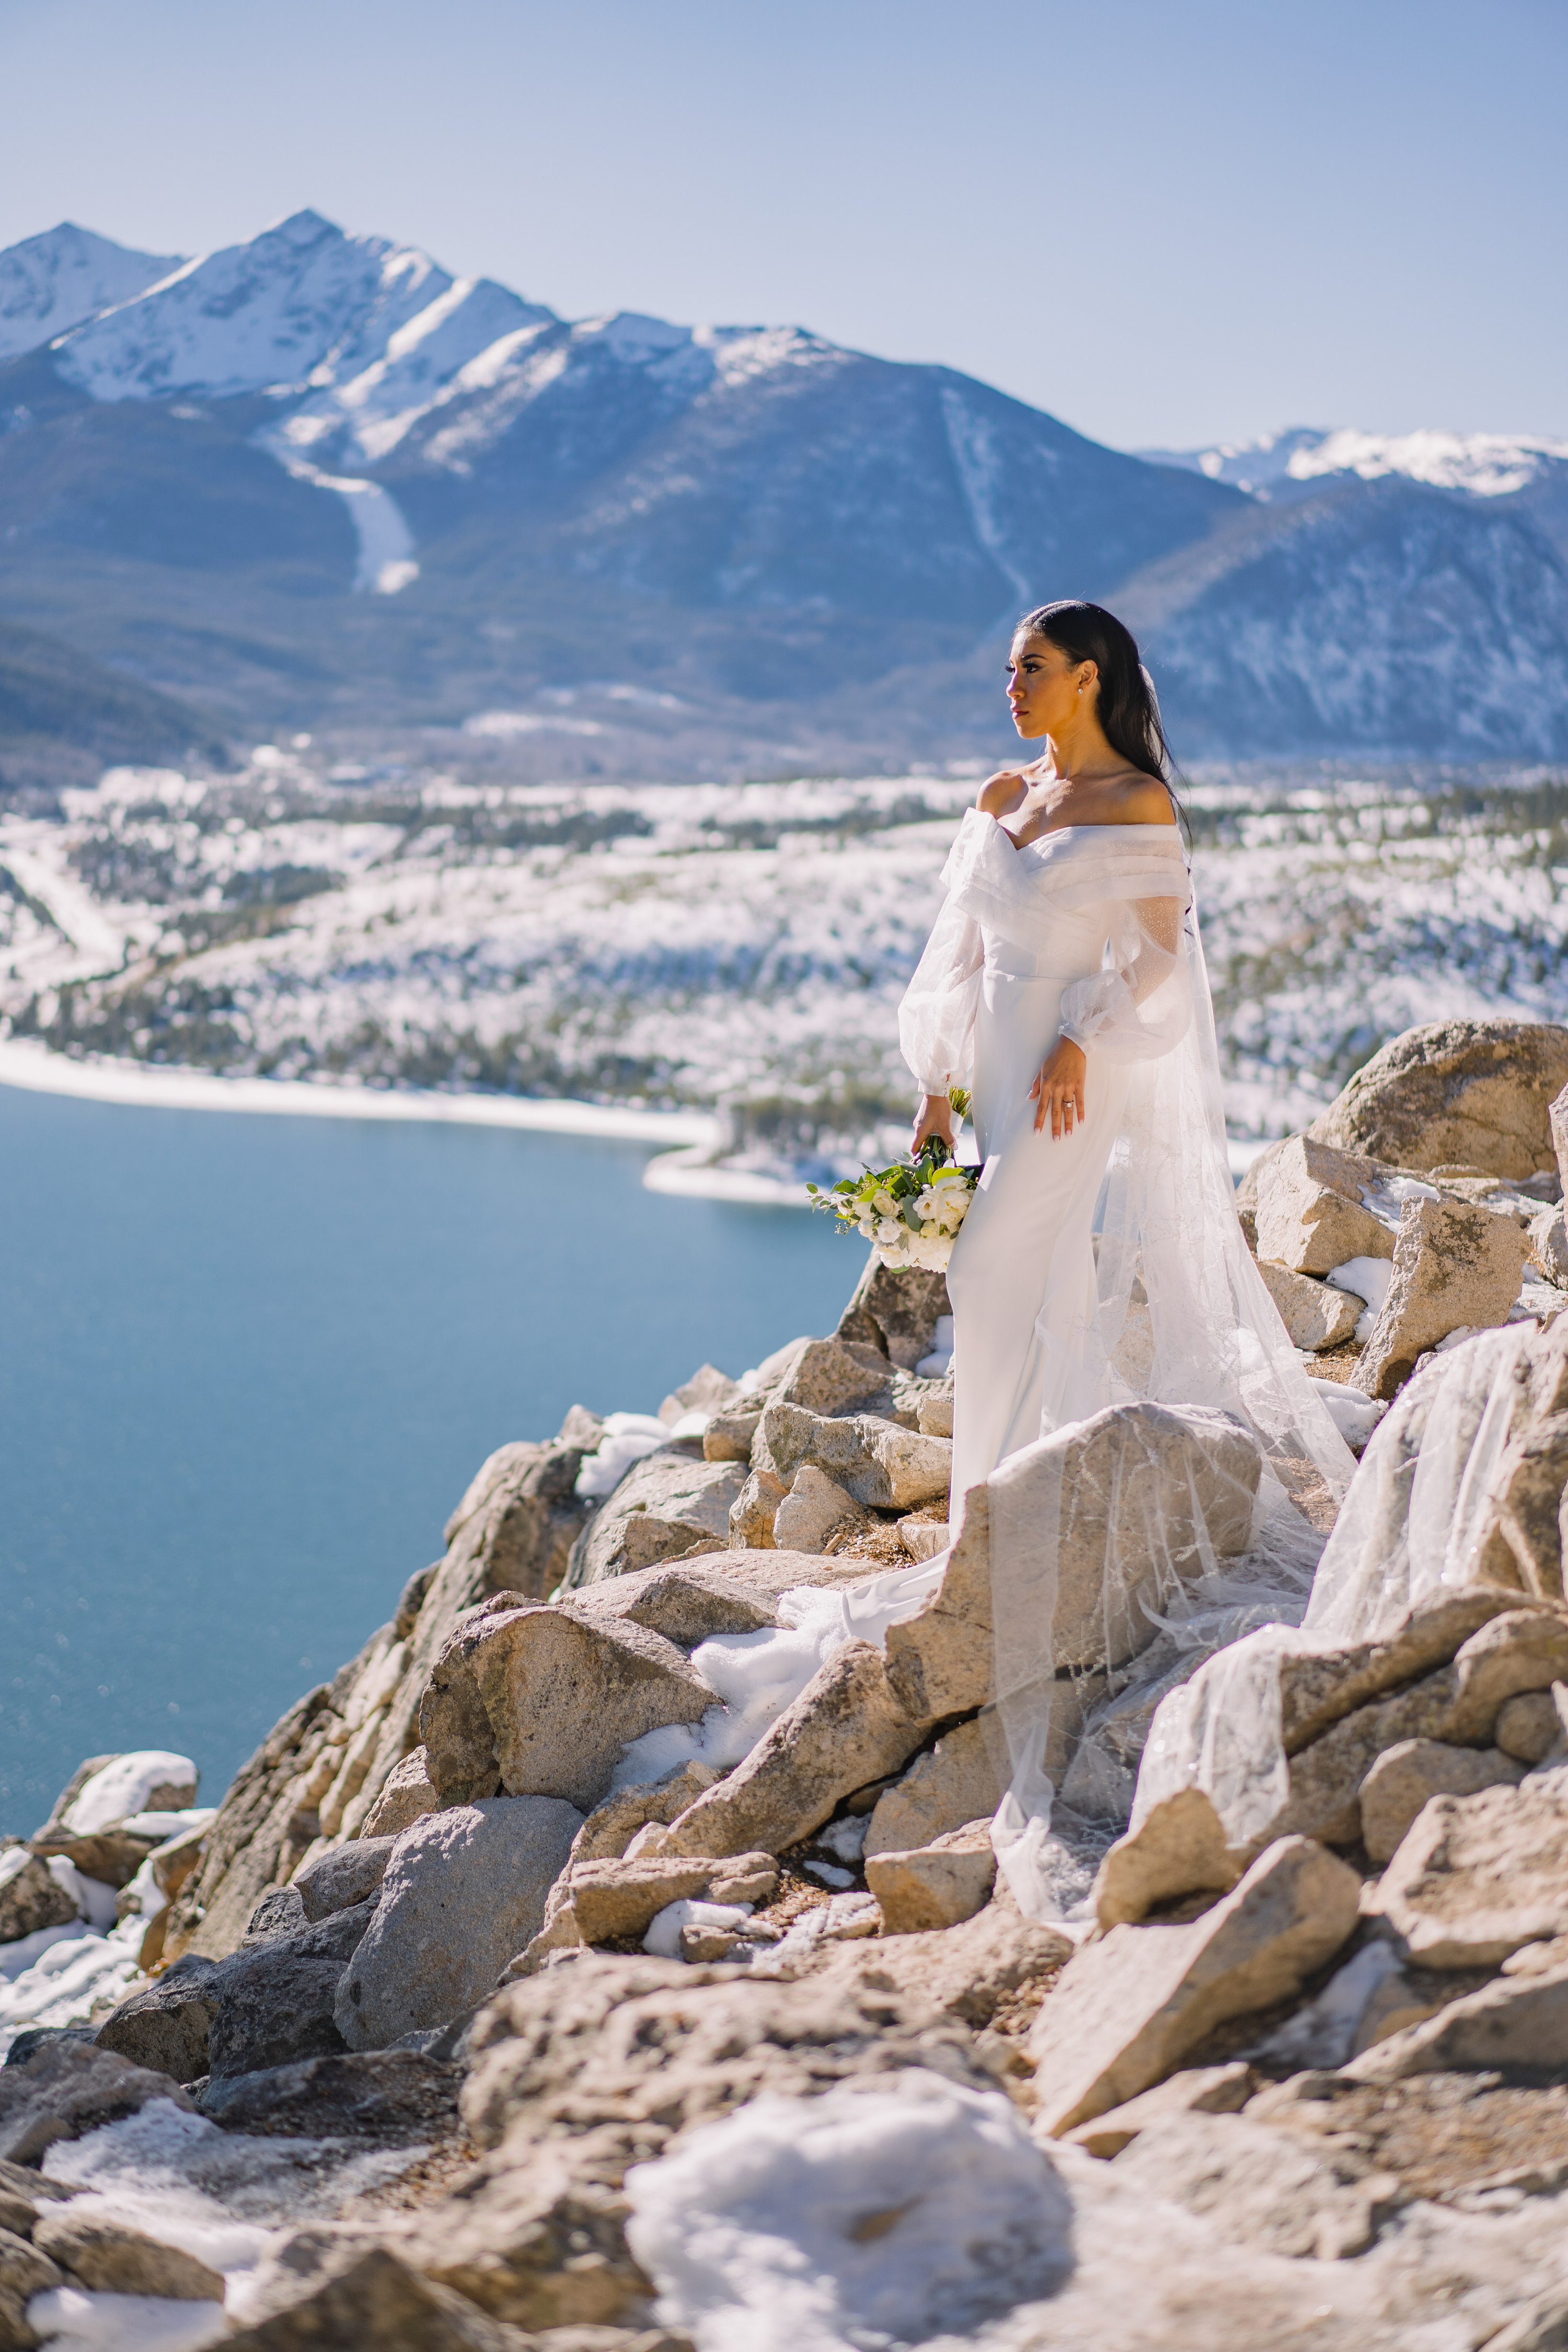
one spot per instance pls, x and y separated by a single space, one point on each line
911 1211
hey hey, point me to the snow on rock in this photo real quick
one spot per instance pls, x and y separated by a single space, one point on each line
127 1786
52 282
881 2213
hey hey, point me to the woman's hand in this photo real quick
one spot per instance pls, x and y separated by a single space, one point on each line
934 1117
1058 1092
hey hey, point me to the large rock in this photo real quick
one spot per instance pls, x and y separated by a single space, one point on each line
935 1886
993 1962
522 1512
111 2258
895 1309
165 2024
1310 1212
465 1889
877 1463
846 1730
69 2088
1477 1877
392 2095
1137 1493
30 1897
1404 1776
1456 1267
376 2300
1315 1314
541 1701
86 1826
582 2070
669 1506
1319 1687
1518 2025
406 1794
959 1782
1127 2010
942 1661
1470 1094
1196 2091
1263 2188
274 2003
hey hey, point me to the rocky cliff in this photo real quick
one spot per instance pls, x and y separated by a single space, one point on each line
619 1942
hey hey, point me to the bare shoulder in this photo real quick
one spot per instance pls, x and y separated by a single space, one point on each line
1000 794
1144 800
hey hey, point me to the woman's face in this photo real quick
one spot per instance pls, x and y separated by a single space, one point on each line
1043 685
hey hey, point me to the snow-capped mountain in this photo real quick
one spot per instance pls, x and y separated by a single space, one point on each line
51 282
201 466
1487 465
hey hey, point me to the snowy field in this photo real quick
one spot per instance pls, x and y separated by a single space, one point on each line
738 949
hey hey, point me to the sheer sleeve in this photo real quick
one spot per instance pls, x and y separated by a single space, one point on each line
1140 1005
936 1018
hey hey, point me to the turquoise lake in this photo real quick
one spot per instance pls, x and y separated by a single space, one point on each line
248 1364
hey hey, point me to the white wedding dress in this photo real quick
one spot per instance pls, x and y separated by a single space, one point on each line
1097 1268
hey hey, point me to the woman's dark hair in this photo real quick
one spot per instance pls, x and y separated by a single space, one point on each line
1128 714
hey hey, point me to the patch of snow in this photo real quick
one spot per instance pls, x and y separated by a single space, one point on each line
53 282
663 1937
628 1437
846 1838
70 2318
1368 1278
756 1677
124 1786
883 2212
1485 465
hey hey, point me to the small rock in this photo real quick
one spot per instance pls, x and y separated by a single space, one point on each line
754 1509
465 1889
1127 2010
708 1391
957 1782
1549 1244
1472 1094
815 1508
1178 1848
1527 1726
377 2300
936 1885
280 1913
595 1902
690 1602
845 1728
1198 2090
350 1875
924 1538
70 2088
110 2258
540 1702
1454 1267
1407 1775
30 1896
384 2095
612 1825
274 2002
23 2195
1310 1213
877 1463
1315 1314
935 1416
1478 1877
668 1506
165 2025
971 1972
408 1793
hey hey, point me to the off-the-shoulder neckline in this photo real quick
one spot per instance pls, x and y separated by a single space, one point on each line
1052 832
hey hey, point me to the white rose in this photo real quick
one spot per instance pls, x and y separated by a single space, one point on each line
884 1205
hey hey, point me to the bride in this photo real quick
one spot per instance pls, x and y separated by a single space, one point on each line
1102 1261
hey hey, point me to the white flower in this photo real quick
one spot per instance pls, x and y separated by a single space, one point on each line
890 1233
884 1205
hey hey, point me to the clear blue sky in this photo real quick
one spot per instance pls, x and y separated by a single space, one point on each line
1164 220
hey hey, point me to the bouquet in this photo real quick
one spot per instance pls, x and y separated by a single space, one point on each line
911 1212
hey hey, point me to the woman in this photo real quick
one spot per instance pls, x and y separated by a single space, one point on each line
1102 1261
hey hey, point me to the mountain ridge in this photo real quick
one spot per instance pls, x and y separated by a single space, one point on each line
315 477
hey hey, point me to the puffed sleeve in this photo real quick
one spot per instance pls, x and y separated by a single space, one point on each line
1140 1005
936 1018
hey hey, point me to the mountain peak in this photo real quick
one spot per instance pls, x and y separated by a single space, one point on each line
51 282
